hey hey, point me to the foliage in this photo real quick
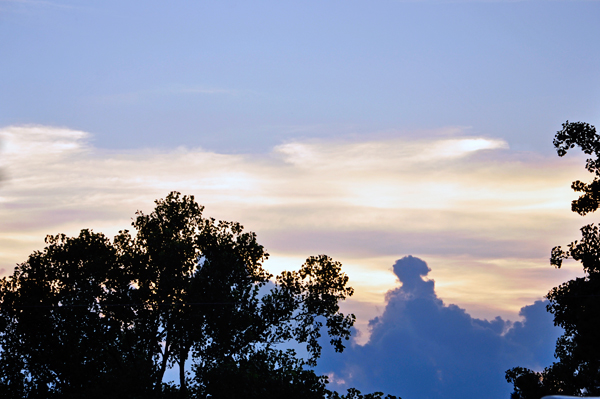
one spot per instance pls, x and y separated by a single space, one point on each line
91 317
576 303
583 135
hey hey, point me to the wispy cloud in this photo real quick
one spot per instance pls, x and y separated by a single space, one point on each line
479 210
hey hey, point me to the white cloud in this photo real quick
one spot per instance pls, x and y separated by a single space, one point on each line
462 201
389 154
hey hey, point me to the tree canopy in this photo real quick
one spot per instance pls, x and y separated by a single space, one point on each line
92 317
575 304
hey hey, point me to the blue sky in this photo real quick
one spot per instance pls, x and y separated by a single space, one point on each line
368 131
237 76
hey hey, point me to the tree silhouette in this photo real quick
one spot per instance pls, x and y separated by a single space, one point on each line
576 303
91 317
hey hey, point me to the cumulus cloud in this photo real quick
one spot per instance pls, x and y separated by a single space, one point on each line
468 202
422 348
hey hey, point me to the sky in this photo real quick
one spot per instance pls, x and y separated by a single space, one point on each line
368 131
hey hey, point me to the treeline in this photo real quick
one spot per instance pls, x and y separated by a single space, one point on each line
90 317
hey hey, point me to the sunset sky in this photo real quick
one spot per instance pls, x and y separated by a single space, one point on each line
368 131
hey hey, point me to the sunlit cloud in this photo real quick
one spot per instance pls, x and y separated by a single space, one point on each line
484 217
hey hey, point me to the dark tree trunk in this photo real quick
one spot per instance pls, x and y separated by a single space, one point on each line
182 358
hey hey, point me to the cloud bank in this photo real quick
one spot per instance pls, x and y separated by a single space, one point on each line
422 348
481 212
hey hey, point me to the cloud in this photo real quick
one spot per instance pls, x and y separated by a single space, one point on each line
481 211
422 348
391 154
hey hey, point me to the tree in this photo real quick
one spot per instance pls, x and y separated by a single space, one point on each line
575 304
92 317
